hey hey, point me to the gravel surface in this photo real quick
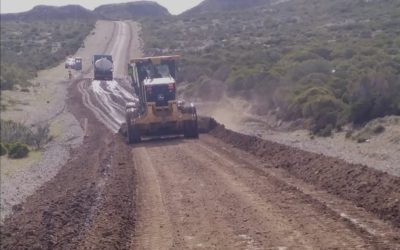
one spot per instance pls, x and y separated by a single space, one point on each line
381 152
23 183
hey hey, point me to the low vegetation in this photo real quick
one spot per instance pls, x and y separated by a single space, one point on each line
374 128
18 151
17 139
27 47
3 149
326 63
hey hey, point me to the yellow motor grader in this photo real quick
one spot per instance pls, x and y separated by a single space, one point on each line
157 113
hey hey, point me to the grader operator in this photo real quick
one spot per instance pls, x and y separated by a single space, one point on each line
157 112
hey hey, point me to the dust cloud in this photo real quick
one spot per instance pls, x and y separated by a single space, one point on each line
232 112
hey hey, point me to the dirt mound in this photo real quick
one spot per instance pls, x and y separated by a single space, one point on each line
205 124
375 191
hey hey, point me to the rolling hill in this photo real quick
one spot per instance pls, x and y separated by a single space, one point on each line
44 12
224 5
131 10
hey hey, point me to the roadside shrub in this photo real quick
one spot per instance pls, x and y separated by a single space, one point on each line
18 151
320 107
348 134
375 95
367 132
308 67
12 75
323 52
302 102
12 132
301 56
378 129
3 149
41 135
326 131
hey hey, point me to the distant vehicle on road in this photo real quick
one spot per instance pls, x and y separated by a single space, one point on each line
69 63
103 67
78 63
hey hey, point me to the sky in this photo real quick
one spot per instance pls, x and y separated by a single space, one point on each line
14 6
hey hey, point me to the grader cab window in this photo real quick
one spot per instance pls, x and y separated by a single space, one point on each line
166 68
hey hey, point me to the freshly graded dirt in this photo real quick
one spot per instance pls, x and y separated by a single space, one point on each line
371 189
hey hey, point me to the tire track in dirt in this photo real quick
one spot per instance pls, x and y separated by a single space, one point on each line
107 98
102 116
206 194
378 233
154 225
375 191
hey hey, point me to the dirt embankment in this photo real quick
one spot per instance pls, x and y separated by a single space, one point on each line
375 191
90 203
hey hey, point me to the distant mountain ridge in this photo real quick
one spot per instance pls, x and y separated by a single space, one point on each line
44 12
129 10
224 5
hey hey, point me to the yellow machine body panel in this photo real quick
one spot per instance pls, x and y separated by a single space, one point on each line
162 120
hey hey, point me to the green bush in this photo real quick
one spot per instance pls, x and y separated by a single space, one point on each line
320 107
36 136
375 95
40 135
18 151
12 75
308 67
3 149
12 132
378 129
326 131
